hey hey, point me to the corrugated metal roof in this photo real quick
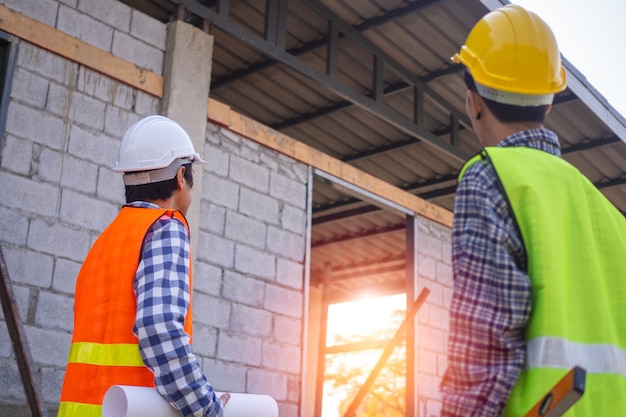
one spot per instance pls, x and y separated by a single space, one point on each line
418 38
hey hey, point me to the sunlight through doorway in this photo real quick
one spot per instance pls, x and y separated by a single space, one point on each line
356 335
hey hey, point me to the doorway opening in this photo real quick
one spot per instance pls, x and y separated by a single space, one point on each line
356 335
362 272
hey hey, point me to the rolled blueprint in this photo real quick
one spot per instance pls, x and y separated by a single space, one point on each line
130 401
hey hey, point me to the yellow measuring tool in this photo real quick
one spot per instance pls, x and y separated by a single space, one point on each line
562 395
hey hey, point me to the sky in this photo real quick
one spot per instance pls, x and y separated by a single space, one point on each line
592 36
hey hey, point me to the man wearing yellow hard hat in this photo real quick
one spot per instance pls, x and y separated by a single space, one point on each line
539 254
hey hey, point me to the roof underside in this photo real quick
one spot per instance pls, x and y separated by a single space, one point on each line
370 82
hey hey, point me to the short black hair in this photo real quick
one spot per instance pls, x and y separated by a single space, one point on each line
158 190
508 113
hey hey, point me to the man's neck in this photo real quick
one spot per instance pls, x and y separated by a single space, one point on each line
500 131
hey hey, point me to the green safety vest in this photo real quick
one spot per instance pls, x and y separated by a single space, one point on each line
575 242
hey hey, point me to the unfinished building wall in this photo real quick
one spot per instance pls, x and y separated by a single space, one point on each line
64 124
63 127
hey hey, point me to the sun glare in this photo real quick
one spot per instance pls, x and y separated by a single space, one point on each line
354 321
363 317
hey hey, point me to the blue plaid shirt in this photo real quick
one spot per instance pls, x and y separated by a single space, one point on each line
491 299
163 298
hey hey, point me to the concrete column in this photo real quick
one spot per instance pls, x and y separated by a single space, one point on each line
186 84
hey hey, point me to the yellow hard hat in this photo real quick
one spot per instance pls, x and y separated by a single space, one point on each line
513 57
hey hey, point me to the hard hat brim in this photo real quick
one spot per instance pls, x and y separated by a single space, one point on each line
161 174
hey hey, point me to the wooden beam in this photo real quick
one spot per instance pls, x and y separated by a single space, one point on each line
62 44
236 122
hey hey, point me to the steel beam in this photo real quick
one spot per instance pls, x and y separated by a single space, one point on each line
361 27
358 98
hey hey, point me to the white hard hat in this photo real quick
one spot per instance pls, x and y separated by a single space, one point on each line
157 145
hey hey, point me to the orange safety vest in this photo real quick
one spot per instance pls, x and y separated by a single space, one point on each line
104 350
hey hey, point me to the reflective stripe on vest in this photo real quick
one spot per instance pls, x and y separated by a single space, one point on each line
105 354
554 352
70 409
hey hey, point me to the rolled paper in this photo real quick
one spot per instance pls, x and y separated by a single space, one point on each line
131 401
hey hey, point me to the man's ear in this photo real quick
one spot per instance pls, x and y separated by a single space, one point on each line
180 177
476 104
548 109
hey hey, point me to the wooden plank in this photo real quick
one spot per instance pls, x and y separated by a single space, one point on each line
19 343
222 114
46 37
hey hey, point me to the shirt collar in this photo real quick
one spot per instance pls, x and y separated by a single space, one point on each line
542 139
142 204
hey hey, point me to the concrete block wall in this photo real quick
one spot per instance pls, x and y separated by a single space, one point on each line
248 282
63 128
59 192
434 264
107 24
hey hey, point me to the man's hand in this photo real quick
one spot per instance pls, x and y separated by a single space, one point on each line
224 398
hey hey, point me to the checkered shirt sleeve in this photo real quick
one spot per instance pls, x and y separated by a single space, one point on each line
163 298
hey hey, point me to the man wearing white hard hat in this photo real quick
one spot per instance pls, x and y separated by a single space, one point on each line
133 306
537 251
